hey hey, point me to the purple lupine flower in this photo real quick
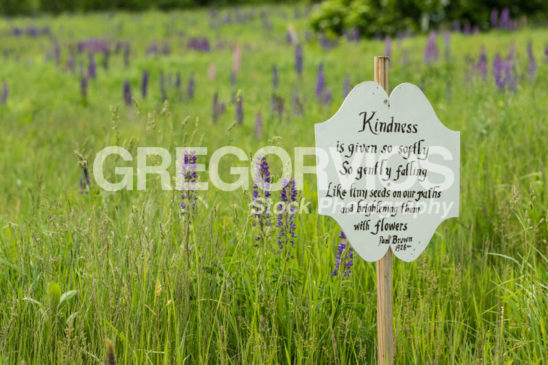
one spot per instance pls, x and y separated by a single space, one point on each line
274 77
199 44
327 97
239 109
345 256
190 176
320 82
5 92
532 61
163 86
546 53
261 204
505 22
346 86
387 46
106 54
405 57
431 53
166 49
447 44
191 87
509 70
57 53
127 93
70 63
258 125
92 67
352 35
286 217
84 88
482 64
215 107
144 84
498 69
494 18
509 76
152 49
299 59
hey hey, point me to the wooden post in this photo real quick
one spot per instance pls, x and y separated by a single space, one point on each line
385 329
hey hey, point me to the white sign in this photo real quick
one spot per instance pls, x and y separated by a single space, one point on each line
388 170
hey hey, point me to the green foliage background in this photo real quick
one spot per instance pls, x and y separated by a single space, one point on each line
381 17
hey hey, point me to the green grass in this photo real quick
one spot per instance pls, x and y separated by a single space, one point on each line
477 294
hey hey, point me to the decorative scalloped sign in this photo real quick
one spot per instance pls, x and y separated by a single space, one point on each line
387 170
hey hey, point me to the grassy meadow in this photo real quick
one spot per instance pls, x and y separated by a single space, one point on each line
79 267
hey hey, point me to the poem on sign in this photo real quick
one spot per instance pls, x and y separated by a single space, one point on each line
383 178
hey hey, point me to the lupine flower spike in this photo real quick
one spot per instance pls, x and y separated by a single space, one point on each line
260 203
345 256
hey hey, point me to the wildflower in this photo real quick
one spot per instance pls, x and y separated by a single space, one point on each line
346 86
84 88
239 109
274 77
92 67
70 63
166 48
532 61
5 92
387 46
127 93
482 64
258 125
57 54
152 49
431 53
106 54
494 18
505 22
199 44
327 97
190 86
189 175
144 84
320 82
215 107
286 217
163 86
345 256
260 203
498 68
299 59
